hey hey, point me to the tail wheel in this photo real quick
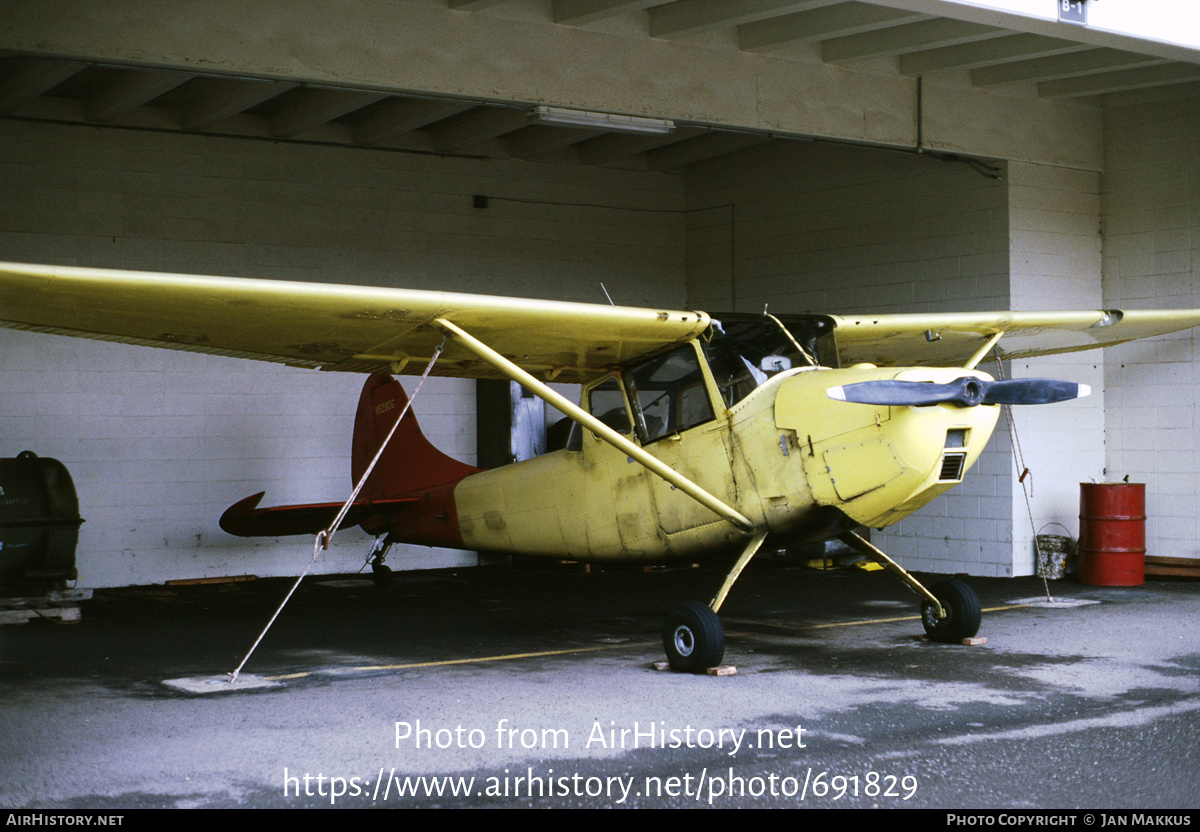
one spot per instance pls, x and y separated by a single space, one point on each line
693 638
381 574
963 614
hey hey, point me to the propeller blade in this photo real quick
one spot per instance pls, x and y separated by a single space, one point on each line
907 393
967 391
1033 391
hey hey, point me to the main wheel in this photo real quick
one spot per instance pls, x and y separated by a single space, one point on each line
963 614
693 638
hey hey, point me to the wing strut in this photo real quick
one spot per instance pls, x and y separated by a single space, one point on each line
863 546
982 351
648 461
743 559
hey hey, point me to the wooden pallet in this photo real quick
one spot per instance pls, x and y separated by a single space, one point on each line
225 579
61 606
59 611
1158 567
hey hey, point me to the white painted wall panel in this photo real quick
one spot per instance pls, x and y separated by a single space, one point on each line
1151 189
833 229
1054 216
160 442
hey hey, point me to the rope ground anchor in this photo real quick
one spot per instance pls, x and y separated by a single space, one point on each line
325 536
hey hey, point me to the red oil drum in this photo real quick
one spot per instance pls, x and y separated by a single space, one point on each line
1112 533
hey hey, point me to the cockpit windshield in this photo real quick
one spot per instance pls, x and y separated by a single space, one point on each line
744 351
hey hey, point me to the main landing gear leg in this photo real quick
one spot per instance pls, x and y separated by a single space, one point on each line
380 572
950 613
692 635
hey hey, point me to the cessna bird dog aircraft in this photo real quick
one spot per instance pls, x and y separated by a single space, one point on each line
695 434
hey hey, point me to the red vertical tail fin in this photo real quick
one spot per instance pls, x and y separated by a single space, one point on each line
411 488
410 462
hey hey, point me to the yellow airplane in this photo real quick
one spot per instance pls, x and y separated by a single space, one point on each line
694 435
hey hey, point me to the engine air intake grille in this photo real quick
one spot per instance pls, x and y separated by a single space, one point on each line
952 467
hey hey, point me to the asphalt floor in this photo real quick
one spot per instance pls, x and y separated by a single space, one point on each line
505 687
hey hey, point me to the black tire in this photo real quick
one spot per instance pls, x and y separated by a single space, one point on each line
693 638
963 614
382 575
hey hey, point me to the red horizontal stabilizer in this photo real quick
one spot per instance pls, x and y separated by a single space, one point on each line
245 519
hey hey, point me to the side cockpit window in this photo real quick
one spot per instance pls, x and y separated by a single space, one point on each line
662 397
668 394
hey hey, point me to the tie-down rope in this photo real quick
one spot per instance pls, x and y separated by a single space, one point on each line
325 536
1023 473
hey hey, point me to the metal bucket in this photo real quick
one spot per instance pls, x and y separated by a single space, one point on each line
1112 533
1052 551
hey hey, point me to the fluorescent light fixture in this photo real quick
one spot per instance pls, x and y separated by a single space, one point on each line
600 121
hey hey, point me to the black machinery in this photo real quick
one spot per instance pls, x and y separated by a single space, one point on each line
39 525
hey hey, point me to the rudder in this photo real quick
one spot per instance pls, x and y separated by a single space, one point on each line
410 462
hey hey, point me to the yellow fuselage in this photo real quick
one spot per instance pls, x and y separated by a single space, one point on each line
787 457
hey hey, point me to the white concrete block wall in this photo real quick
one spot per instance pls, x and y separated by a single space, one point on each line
1151 189
986 525
826 228
160 442
1054 217
968 529
802 227
836 229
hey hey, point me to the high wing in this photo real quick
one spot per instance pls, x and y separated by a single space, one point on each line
949 339
335 327
383 330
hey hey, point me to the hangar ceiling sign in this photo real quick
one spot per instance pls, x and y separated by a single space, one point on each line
1072 11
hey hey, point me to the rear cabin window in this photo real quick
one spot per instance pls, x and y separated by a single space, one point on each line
605 401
